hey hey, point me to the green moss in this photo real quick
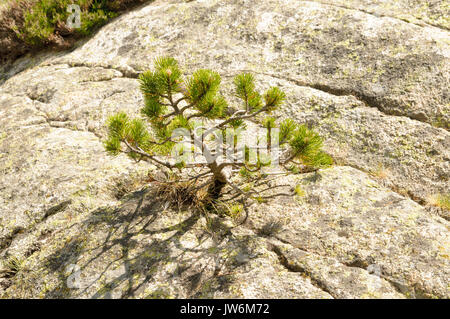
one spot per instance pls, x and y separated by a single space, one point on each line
235 210
299 191
159 294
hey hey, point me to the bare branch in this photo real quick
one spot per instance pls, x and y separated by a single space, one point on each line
178 111
199 114
169 139
140 152
234 117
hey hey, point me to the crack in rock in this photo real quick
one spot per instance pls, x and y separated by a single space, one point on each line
61 122
380 15
56 209
366 99
399 287
6 241
297 268
127 71
364 264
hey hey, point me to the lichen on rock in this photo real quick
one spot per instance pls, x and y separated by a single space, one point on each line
372 76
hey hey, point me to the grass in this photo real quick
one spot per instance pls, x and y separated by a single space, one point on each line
194 196
183 195
13 265
381 172
30 25
440 200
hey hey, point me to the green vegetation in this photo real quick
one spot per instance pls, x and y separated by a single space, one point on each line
13 265
440 200
195 105
46 16
299 190
27 25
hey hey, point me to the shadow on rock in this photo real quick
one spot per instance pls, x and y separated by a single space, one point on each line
144 249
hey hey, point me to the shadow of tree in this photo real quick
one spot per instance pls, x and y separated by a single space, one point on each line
128 247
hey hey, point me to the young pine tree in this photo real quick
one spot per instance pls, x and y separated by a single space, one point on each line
195 106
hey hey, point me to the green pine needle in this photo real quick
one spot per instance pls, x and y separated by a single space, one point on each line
137 133
179 122
245 85
306 146
255 101
269 122
245 89
287 127
153 108
118 125
159 88
165 80
213 106
112 146
202 83
305 141
148 84
274 97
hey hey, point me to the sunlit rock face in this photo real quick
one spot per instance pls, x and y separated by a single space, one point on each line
372 77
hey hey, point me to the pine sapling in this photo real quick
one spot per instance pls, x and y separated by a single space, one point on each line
195 107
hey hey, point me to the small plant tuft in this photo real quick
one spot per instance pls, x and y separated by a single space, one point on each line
13 265
299 190
440 200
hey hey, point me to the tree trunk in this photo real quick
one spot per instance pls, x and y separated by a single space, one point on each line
216 188
220 176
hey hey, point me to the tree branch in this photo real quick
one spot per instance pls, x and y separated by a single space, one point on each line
235 117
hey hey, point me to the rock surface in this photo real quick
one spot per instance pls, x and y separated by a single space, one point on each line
372 77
